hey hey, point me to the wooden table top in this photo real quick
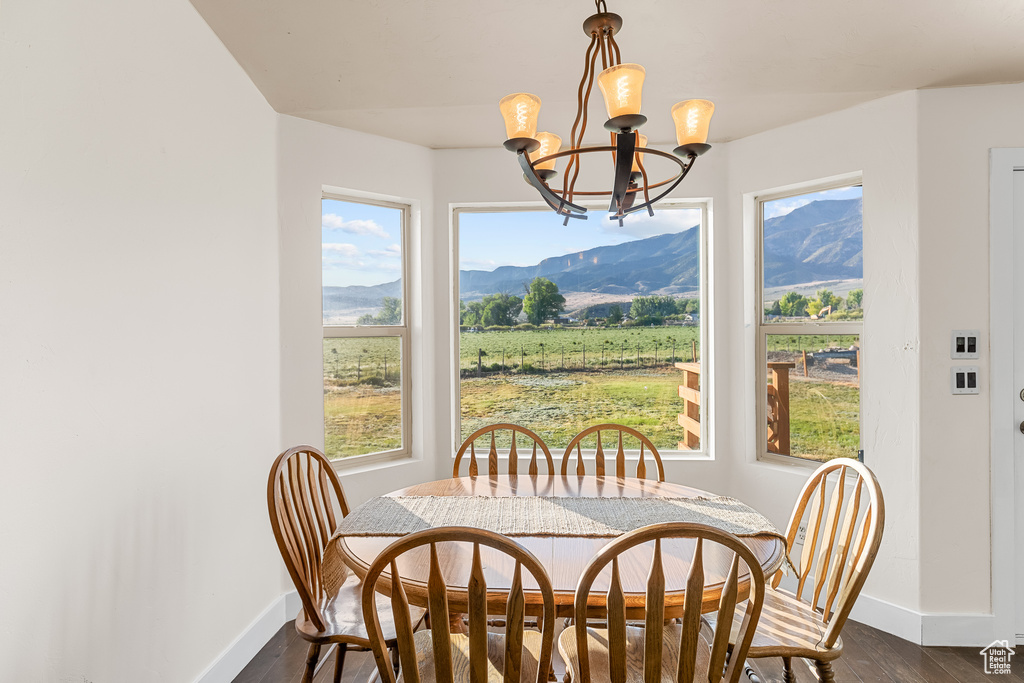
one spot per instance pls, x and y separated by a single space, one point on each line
563 557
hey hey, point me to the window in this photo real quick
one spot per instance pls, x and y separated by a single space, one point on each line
366 333
563 327
810 321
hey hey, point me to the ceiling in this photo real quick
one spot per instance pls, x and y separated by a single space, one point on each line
432 73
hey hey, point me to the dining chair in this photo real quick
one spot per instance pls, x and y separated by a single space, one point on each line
844 530
302 495
620 453
479 656
492 453
680 651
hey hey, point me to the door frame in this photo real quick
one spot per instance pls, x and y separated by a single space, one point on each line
1003 163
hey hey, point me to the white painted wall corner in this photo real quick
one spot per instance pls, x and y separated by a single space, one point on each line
239 653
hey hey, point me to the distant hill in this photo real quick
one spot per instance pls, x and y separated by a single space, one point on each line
818 241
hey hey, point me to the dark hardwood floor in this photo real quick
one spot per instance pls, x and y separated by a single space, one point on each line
869 655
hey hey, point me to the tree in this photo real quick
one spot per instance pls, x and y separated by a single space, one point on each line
652 306
854 299
793 304
500 309
827 298
542 300
615 314
774 309
390 313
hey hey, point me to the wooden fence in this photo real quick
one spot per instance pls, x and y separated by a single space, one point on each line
778 407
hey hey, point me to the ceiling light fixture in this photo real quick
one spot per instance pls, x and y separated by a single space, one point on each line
621 86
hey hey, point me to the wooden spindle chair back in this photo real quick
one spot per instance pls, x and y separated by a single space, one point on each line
844 530
492 452
301 497
620 431
437 606
654 606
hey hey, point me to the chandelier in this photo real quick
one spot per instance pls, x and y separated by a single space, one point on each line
621 85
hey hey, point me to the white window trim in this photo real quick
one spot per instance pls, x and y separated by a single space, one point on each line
704 204
399 331
753 204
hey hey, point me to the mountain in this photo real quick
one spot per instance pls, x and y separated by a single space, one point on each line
818 241
815 242
663 262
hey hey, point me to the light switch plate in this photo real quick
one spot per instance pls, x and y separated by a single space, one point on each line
964 344
964 379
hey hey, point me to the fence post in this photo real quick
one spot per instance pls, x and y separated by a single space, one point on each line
385 368
805 362
479 361
779 441
503 359
693 350
638 354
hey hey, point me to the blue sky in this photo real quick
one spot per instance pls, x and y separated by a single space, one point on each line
361 243
780 207
524 238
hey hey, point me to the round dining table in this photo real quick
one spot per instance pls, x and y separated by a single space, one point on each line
564 557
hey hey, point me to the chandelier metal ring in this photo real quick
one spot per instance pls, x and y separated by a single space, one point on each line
620 85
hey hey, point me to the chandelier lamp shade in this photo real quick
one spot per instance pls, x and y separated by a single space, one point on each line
621 85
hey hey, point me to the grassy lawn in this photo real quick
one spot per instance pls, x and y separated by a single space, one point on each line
559 405
363 407
824 420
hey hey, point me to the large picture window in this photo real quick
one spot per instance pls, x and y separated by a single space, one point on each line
365 349
563 327
810 320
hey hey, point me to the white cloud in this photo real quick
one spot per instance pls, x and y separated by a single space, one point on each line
342 248
332 221
391 250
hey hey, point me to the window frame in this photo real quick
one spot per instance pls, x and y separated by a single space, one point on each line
705 206
763 329
354 331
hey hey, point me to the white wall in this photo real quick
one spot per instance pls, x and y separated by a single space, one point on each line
139 388
957 129
878 139
311 156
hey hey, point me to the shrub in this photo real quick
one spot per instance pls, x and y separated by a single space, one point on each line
526 326
497 328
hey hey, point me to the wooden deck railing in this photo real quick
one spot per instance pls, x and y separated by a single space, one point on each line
689 419
778 407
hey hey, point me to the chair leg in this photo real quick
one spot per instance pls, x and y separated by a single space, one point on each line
787 670
750 673
340 662
312 655
396 660
825 674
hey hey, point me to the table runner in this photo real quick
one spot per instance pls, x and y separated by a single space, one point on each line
549 515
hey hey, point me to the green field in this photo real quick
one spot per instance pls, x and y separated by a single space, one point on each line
577 348
559 381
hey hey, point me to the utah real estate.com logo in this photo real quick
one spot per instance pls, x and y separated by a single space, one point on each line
997 657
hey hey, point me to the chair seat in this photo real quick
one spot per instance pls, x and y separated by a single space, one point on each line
343 614
460 656
788 628
597 648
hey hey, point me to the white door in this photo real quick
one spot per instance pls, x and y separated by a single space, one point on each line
1018 365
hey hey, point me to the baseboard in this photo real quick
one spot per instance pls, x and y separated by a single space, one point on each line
895 619
239 653
960 630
